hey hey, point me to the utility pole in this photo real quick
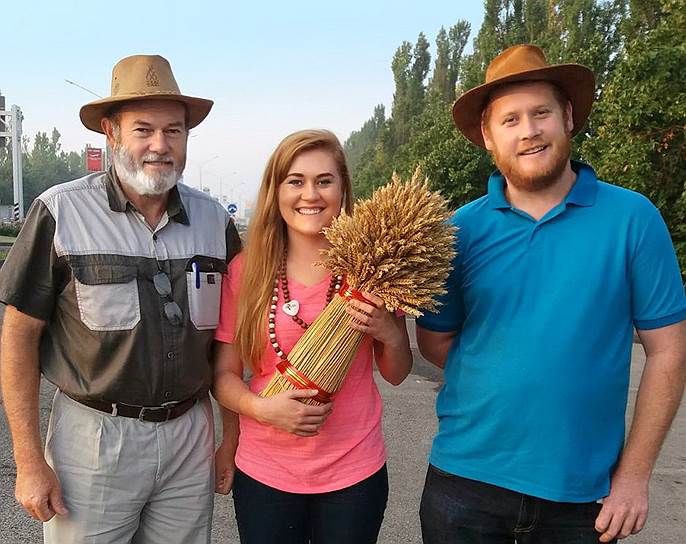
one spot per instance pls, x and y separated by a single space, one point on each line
10 127
200 165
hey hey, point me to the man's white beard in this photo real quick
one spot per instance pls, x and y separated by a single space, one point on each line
141 182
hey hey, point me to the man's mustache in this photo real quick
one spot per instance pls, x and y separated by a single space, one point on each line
154 157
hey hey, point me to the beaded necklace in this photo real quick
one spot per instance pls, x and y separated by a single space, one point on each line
292 306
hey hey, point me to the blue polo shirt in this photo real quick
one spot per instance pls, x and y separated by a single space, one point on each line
536 380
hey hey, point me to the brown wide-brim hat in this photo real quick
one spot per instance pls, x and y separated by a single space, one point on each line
143 77
525 63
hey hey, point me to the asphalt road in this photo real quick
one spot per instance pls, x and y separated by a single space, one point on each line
409 424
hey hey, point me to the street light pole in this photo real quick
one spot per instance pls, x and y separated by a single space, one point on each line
221 185
200 165
82 87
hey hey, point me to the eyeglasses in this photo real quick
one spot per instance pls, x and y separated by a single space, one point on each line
172 311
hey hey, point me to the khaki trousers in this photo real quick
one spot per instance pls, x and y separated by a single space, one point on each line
129 481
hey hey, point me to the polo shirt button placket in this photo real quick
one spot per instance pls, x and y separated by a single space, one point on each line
535 237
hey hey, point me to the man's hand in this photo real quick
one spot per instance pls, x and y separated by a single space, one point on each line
224 468
625 509
38 491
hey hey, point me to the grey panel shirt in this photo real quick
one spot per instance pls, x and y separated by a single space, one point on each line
84 262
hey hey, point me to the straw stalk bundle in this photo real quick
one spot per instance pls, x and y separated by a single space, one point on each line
398 245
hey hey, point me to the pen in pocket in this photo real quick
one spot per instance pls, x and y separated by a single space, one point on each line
196 272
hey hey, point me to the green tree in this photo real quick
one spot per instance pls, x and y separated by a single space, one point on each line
439 86
421 62
375 167
360 141
535 20
586 32
454 165
400 111
449 49
44 165
410 67
641 119
419 129
487 44
458 36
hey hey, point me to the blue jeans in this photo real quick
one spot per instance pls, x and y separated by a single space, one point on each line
352 515
456 510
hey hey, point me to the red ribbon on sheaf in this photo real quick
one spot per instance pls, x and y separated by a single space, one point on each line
348 292
300 381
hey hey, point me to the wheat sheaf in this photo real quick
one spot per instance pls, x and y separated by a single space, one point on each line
398 245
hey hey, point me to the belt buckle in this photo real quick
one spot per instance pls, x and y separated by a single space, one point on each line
145 409
165 406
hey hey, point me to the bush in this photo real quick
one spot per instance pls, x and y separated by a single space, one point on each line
10 229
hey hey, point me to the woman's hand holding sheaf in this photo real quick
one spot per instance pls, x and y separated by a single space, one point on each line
391 342
284 411
376 321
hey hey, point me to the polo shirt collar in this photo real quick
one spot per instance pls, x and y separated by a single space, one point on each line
585 188
119 202
496 191
582 193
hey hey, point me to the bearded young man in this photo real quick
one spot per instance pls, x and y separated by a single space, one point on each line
113 292
554 270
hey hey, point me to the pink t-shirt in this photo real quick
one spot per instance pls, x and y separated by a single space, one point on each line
349 446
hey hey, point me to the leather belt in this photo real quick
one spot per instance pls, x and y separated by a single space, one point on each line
153 414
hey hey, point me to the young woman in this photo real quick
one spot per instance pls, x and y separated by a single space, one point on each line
302 473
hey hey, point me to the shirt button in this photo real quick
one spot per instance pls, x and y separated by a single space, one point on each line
170 355
154 237
167 395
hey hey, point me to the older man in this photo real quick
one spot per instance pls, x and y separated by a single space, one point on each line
113 290
555 268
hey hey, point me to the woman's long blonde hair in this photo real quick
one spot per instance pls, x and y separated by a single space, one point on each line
267 239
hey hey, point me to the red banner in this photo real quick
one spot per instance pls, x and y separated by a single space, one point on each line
94 159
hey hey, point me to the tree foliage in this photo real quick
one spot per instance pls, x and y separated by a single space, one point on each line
361 141
419 129
635 135
44 164
449 49
641 119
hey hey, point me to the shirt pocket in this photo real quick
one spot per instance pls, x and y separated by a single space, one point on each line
203 283
107 296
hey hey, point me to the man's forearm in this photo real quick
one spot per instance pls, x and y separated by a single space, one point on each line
434 346
230 429
394 359
20 376
658 399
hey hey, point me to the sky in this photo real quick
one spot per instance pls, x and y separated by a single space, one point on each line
271 67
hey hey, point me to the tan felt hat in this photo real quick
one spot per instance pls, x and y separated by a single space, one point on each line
143 77
525 63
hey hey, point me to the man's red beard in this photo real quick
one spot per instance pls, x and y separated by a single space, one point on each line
542 179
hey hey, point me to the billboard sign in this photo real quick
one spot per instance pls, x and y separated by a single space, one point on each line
94 159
